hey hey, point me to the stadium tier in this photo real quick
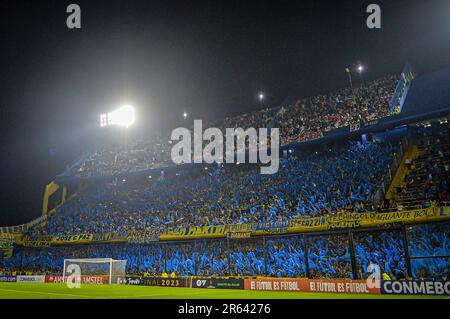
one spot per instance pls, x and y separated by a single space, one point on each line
333 210
303 120
296 256
427 174
342 179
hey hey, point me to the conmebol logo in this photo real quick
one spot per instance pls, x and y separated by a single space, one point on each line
420 287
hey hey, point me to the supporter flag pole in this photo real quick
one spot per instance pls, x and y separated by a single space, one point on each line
352 255
407 257
305 248
349 77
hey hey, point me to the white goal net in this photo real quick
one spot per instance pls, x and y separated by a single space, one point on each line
95 270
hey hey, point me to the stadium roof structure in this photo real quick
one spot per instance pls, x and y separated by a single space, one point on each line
429 94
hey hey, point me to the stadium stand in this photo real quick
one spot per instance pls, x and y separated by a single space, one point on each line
427 175
335 180
329 256
315 218
311 118
304 120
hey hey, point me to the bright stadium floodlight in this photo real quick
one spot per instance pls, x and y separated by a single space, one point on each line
123 116
261 98
360 70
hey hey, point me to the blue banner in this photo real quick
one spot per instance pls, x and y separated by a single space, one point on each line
415 287
8 279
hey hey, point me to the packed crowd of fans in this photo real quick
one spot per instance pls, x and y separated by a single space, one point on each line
136 155
304 120
429 248
310 118
320 183
286 257
247 258
385 249
317 184
343 178
328 256
427 179
213 259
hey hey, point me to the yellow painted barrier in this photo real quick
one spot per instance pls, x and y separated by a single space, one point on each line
300 225
411 154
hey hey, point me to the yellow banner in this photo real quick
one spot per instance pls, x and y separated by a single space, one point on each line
195 232
239 235
242 228
446 211
364 220
6 245
37 243
74 239
46 241
110 238
307 224
7 236
338 221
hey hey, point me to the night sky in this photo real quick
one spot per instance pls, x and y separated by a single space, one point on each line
209 59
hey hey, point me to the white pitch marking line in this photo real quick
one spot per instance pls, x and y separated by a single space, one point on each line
51 293
97 297
152 295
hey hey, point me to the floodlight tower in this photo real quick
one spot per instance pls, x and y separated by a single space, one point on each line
260 98
349 77
360 70
123 116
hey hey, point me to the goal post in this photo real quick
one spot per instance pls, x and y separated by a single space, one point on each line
106 270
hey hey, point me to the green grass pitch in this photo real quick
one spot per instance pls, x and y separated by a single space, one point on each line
61 291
